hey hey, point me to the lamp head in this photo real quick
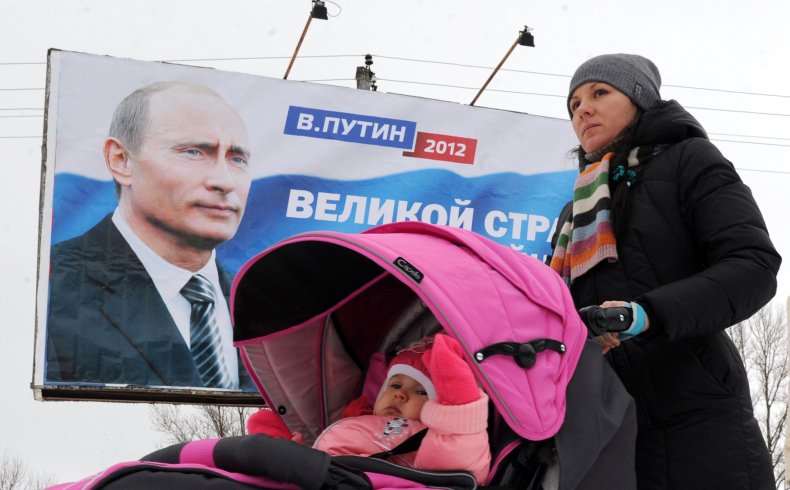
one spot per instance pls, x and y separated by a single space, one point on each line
526 38
319 10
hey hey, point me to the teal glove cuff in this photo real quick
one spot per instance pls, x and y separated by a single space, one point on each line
638 322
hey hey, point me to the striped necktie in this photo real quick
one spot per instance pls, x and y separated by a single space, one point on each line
204 336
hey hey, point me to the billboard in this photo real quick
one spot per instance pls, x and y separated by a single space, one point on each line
156 175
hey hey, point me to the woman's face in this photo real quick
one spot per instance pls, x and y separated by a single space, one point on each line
600 113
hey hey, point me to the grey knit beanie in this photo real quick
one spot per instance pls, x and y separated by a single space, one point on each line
634 75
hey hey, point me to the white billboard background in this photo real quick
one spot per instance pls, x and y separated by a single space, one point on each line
340 162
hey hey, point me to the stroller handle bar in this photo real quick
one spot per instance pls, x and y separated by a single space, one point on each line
525 354
602 320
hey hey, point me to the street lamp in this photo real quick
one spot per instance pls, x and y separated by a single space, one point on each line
525 38
317 12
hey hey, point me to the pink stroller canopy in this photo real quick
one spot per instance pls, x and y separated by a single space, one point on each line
312 312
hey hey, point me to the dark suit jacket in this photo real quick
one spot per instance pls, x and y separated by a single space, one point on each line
107 322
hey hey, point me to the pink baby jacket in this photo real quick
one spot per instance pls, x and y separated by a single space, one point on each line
456 438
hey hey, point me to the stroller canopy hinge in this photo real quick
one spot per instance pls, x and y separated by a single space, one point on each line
525 354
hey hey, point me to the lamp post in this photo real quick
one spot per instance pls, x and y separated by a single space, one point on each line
525 38
317 12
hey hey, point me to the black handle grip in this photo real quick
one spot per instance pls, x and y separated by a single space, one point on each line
601 320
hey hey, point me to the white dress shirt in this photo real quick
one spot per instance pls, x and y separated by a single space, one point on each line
170 279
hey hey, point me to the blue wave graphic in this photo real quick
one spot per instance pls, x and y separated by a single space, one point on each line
80 202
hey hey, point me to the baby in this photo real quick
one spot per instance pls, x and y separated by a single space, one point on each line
428 385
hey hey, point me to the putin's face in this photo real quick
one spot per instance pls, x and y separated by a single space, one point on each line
188 181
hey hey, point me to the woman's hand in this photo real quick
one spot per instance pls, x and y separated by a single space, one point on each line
611 340
608 341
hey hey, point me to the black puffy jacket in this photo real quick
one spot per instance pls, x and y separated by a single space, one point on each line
696 254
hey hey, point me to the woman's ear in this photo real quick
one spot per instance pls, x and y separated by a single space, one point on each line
116 157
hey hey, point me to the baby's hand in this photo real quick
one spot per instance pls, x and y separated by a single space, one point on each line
265 421
451 375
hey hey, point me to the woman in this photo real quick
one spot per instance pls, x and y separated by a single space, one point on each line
661 222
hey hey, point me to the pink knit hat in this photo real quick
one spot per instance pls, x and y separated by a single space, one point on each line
408 362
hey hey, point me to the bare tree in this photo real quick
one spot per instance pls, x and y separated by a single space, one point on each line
184 423
14 475
787 427
762 343
12 472
37 481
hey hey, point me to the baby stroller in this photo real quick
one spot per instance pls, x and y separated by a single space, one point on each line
318 309
323 309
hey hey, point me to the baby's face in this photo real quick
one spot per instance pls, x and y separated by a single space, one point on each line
402 397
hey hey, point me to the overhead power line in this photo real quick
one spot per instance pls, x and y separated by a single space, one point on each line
463 65
750 142
728 91
741 169
193 60
258 58
435 62
564 96
738 111
417 60
318 80
521 92
750 136
462 87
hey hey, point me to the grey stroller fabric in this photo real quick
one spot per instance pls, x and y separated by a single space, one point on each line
601 421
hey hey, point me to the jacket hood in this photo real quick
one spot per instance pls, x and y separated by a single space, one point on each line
665 123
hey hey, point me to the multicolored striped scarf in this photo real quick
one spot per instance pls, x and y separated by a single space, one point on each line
587 237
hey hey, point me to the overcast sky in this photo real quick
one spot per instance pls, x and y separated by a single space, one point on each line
724 60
